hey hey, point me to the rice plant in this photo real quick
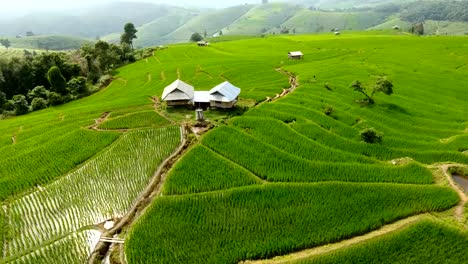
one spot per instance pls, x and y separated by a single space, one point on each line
274 219
103 188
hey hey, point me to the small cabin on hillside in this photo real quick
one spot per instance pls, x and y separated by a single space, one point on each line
295 55
396 27
225 95
203 43
178 93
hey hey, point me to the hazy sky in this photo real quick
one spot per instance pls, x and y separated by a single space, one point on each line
27 6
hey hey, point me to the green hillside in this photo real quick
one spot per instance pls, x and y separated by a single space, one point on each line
269 178
262 18
318 21
48 42
211 22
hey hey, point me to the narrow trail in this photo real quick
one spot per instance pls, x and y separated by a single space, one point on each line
99 121
300 255
293 81
178 73
13 139
163 76
460 209
142 202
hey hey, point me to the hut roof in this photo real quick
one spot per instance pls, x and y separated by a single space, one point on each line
202 97
178 90
296 53
225 92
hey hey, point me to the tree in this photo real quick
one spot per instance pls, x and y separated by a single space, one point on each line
358 87
196 37
371 136
220 32
129 34
417 29
20 104
38 104
56 80
382 84
5 42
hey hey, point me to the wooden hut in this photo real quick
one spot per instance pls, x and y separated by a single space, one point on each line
178 93
203 43
225 95
295 55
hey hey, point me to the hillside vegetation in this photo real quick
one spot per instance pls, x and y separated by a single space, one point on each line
49 42
286 175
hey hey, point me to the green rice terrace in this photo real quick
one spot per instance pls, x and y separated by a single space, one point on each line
285 177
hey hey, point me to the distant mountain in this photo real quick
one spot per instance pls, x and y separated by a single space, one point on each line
162 24
87 23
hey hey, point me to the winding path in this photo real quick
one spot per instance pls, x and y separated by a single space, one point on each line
304 254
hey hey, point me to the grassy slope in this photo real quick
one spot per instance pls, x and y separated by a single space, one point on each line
212 22
423 242
178 26
431 27
317 21
51 42
262 18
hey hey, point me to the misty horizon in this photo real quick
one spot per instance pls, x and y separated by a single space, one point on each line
26 7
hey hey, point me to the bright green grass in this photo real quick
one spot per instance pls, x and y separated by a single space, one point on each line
423 242
259 222
138 120
202 170
275 164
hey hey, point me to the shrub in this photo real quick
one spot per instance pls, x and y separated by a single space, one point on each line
20 104
55 98
38 104
328 110
371 136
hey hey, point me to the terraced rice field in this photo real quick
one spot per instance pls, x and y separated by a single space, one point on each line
282 177
291 140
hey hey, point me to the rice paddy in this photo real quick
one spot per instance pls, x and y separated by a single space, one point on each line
282 177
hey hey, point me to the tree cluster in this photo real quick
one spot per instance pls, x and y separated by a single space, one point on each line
36 81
